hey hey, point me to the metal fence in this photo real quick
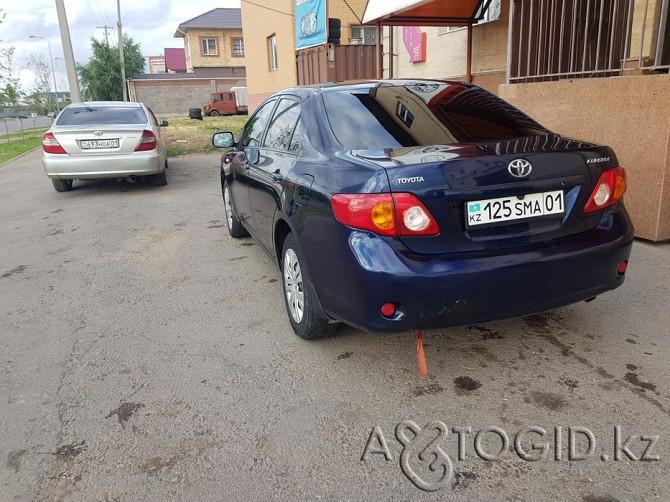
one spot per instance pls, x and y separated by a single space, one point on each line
557 39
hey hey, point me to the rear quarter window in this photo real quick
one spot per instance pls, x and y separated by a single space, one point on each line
423 114
107 115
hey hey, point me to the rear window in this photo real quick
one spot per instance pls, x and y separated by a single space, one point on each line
101 115
423 114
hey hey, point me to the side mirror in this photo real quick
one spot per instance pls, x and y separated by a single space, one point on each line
164 123
223 139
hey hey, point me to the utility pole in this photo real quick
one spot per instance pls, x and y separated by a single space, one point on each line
106 28
72 79
123 65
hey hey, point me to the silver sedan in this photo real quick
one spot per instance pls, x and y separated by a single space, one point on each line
104 139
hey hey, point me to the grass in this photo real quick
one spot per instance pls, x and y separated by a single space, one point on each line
185 135
13 149
17 143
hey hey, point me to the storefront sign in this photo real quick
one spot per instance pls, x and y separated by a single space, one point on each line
415 42
311 23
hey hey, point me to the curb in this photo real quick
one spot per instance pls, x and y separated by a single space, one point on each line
19 156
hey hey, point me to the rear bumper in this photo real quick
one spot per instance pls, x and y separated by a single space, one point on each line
449 290
92 167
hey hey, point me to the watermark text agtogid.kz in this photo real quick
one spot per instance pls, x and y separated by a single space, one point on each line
426 455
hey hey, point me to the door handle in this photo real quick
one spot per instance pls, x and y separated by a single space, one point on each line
276 176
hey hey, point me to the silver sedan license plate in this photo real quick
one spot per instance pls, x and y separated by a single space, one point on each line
519 207
98 144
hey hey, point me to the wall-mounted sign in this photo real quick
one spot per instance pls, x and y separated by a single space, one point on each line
415 42
311 23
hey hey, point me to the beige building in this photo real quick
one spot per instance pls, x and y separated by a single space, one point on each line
213 39
156 64
270 41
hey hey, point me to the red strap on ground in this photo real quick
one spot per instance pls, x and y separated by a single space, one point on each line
421 356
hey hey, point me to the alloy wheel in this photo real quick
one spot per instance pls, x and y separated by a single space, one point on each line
293 286
229 206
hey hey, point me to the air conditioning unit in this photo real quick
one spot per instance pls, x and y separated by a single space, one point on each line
355 41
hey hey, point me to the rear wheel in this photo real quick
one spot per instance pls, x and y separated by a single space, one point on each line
62 185
214 113
235 228
308 319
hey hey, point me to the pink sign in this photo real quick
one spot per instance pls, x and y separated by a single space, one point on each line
415 42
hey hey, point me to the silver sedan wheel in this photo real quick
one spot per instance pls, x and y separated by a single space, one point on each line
293 289
229 207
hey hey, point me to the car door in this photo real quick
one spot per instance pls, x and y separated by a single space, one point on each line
278 154
248 155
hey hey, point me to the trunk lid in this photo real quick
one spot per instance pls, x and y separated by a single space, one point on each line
102 140
543 200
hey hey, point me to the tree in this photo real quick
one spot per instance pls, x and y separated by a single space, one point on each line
10 87
39 65
101 77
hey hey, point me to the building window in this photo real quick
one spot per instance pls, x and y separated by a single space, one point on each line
238 47
209 47
363 35
272 52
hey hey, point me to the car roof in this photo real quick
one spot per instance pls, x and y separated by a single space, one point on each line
351 85
130 104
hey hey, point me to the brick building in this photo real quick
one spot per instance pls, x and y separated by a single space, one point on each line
213 39
213 59
269 29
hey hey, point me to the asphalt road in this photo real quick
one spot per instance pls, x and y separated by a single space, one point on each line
14 125
146 355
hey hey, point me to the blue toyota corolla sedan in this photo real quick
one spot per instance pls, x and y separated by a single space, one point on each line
398 204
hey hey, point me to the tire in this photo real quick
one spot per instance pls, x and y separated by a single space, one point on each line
235 228
214 113
62 185
158 180
307 318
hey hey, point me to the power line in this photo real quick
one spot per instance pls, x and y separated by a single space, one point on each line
106 28
268 8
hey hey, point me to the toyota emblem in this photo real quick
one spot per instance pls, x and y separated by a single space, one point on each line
519 168
99 133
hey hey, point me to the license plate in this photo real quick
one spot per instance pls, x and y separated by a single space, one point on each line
519 207
98 144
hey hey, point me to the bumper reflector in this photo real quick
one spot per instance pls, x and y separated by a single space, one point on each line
622 267
388 309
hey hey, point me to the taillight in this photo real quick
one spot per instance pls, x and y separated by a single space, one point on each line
608 191
50 144
398 214
148 141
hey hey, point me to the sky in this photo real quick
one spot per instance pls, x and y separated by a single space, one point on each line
151 23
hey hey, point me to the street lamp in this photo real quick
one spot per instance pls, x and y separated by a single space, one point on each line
53 71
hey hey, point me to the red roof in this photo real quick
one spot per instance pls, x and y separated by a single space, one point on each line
175 60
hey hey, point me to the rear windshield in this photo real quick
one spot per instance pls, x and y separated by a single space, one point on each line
101 115
422 114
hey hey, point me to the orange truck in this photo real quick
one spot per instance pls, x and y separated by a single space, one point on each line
230 102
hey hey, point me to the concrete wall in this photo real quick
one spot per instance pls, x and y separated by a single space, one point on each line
195 57
630 114
177 96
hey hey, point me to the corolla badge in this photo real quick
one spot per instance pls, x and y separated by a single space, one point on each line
519 168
